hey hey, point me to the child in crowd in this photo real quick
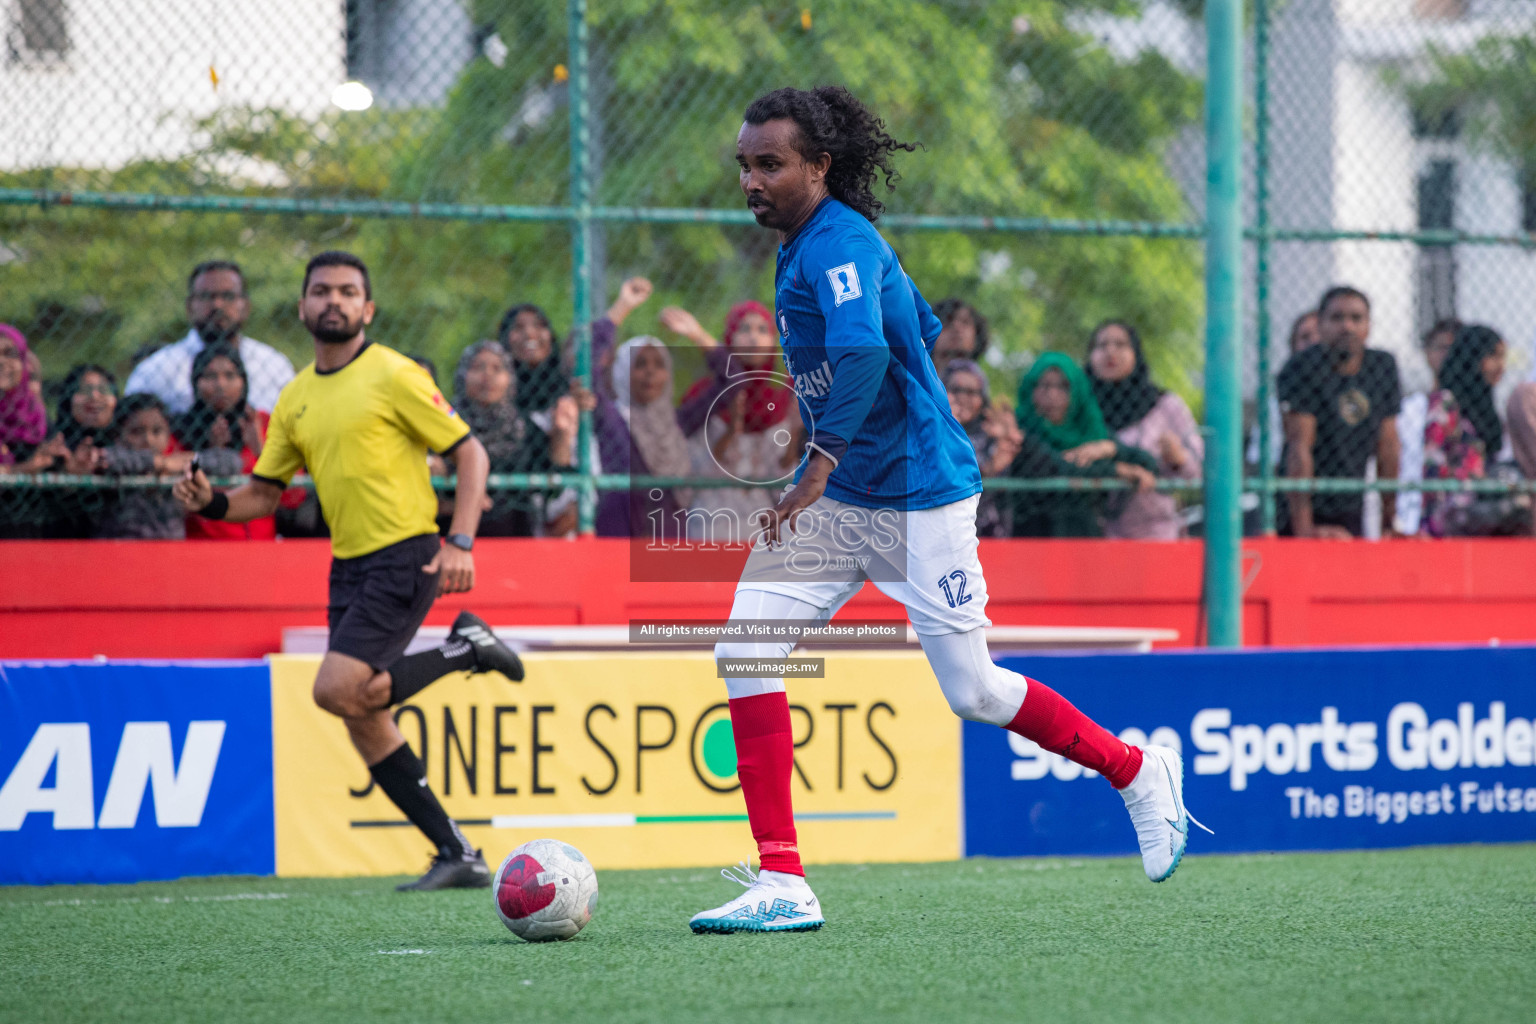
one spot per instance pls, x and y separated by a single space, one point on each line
142 446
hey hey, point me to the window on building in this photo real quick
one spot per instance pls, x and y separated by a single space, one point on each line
40 29
365 35
1436 284
1437 196
1436 122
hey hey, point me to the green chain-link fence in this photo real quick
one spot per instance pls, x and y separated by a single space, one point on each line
486 154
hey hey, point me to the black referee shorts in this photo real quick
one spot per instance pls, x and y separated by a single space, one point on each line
380 599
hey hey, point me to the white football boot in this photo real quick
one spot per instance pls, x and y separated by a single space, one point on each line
774 902
1155 799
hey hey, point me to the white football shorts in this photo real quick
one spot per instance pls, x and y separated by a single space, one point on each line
924 558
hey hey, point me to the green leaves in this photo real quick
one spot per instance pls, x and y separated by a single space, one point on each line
1021 110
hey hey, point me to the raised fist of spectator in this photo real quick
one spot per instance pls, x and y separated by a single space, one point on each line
632 293
679 321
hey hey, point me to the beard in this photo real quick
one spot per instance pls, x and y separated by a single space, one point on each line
332 327
217 331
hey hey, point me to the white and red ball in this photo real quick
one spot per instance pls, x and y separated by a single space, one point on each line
545 890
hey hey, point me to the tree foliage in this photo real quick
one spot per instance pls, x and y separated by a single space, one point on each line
1488 88
1020 109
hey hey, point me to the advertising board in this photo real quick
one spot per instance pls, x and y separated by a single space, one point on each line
126 771
628 757
1283 750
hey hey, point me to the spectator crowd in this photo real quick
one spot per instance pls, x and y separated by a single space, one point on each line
1340 412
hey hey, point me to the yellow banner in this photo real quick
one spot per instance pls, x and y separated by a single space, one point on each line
630 758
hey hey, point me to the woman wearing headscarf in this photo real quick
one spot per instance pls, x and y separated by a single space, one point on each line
640 435
992 432
228 433
1065 435
740 420
485 394
23 429
543 367
1141 415
23 418
1462 437
537 359
84 427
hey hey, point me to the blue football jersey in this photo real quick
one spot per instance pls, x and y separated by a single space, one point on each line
856 337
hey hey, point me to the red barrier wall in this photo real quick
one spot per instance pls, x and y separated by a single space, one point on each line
212 599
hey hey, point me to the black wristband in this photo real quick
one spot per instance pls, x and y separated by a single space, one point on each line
217 507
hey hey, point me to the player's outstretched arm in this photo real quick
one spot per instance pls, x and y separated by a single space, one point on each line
249 501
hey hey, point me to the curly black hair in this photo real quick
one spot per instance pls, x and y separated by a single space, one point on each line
833 121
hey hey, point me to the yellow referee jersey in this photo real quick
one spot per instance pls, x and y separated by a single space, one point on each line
363 431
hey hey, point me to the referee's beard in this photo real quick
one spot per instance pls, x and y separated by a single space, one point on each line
332 327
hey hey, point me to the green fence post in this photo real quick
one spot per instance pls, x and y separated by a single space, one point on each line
581 255
1223 321
1261 222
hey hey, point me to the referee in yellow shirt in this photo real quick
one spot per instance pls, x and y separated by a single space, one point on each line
362 418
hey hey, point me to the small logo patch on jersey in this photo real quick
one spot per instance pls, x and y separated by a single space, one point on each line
845 283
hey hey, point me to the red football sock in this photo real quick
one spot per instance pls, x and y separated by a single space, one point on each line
1050 720
765 757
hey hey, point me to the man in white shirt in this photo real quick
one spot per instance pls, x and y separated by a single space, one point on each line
218 307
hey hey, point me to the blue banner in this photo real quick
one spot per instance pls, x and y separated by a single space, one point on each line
1283 750
128 771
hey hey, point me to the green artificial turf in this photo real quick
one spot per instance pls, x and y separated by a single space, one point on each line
1442 934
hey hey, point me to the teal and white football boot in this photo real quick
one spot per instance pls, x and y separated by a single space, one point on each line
774 902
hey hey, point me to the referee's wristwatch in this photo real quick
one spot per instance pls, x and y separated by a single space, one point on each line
462 541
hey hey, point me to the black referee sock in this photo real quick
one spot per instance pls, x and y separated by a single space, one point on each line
403 778
415 672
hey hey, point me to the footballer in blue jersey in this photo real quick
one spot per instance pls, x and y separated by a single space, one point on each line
887 493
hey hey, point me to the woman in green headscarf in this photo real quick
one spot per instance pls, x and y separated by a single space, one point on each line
1065 436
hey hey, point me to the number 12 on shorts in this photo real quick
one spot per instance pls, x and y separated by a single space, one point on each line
955 595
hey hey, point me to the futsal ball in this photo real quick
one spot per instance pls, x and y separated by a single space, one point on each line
545 890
